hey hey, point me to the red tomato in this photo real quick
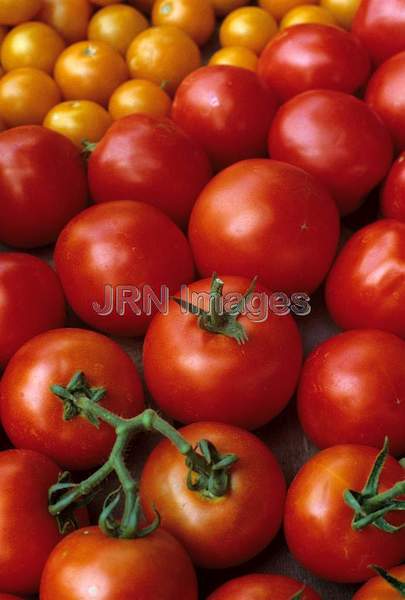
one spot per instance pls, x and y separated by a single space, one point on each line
9 597
338 139
263 587
379 589
42 185
223 531
152 160
318 522
28 533
386 95
226 110
266 218
31 301
366 285
352 391
393 192
112 255
313 56
178 354
33 416
381 27
87 564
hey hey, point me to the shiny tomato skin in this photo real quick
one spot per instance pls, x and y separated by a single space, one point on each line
178 355
393 192
338 139
262 587
33 416
221 532
313 56
129 244
42 185
317 521
352 391
150 160
267 218
378 589
31 300
87 565
366 285
227 110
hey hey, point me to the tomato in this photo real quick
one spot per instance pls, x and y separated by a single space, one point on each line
28 532
250 27
87 565
90 71
164 55
378 589
318 522
9 597
139 96
13 13
26 95
32 415
31 299
307 14
263 587
235 56
79 120
344 11
393 191
205 526
223 7
352 391
70 18
386 95
308 57
42 185
265 218
278 8
195 17
117 25
108 254
168 170
366 286
227 111
381 27
338 139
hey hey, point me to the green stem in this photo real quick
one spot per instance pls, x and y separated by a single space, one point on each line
395 583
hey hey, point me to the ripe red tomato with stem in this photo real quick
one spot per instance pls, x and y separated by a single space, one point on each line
33 416
338 139
264 587
32 301
151 160
226 110
42 185
393 192
386 586
313 56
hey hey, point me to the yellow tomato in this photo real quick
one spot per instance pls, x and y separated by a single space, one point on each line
195 17
26 96
250 27
278 8
236 56
79 120
70 18
307 14
343 10
139 96
31 44
164 55
90 71
13 12
117 25
223 7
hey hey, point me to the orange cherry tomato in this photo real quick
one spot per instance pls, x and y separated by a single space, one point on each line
79 120
236 56
343 10
163 55
250 27
139 96
117 25
70 18
195 17
307 14
31 44
26 95
90 71
13 12
223 7
278 8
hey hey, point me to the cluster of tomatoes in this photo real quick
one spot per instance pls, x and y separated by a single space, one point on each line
149 174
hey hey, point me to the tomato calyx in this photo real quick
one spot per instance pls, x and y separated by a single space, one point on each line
87 149
299 595
217 319
398 585
209 470
77 387
370 507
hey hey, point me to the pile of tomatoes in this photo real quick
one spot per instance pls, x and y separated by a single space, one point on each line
137 162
